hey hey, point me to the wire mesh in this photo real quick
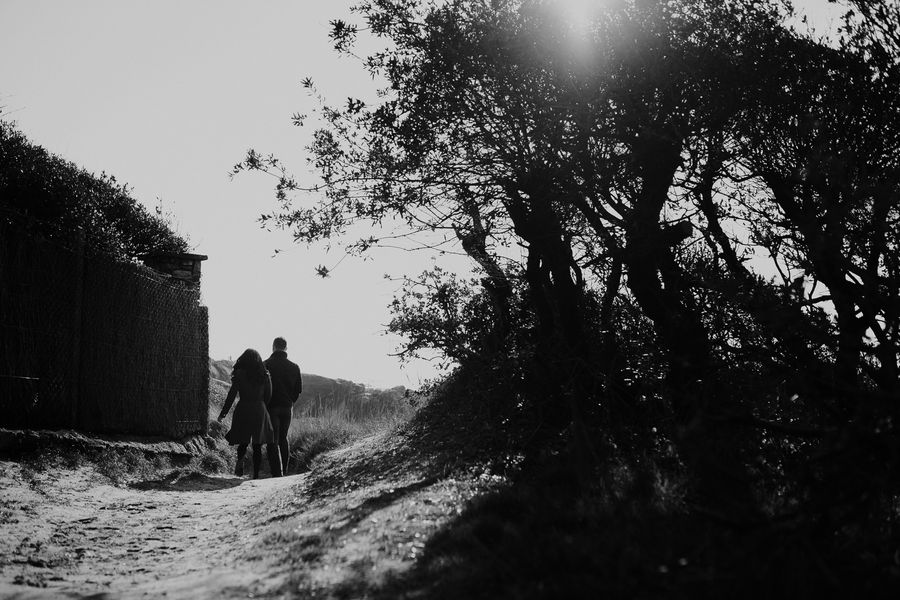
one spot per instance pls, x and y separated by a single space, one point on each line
92 343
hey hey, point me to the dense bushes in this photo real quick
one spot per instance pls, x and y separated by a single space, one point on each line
58 197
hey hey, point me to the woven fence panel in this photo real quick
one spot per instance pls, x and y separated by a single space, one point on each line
91 343
143 353
38 285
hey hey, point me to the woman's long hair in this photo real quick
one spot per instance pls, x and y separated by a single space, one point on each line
252 364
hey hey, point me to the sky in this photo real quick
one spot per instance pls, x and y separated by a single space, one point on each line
167 96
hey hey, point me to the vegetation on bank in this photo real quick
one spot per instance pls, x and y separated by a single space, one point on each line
685 223
57 198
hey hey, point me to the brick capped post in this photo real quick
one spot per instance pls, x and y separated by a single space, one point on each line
177 266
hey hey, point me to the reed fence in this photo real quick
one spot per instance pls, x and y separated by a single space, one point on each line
94 344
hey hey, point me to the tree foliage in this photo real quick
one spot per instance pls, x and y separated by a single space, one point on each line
684 215
59 197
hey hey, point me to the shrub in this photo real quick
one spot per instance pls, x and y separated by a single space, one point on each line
213 462
217 430
59 197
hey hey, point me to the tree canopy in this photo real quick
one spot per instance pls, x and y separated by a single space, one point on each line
684 215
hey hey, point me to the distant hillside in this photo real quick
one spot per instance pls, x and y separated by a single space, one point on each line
221 370
318 394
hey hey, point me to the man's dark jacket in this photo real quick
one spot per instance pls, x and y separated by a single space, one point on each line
286 381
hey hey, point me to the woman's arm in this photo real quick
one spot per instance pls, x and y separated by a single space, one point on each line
229 400
267 390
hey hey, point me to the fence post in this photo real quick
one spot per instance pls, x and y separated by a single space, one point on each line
77 302
203 407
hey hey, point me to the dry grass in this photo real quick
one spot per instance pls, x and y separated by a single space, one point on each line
329 414
120 465
311 436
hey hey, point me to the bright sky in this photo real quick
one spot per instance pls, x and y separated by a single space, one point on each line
167 96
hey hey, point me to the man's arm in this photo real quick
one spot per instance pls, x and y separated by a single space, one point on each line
298 386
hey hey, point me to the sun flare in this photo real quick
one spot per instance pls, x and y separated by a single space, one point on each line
579 17
578 12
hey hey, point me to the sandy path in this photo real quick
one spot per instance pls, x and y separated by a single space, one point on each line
65 533
348 529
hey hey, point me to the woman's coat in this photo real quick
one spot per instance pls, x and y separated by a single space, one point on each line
250 423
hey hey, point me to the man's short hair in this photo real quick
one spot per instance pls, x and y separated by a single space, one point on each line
279 343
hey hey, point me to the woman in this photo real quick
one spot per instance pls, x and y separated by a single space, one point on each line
250 423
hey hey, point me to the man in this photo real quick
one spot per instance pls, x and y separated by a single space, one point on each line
286 387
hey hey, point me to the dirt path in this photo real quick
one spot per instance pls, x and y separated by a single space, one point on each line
65 533
339 532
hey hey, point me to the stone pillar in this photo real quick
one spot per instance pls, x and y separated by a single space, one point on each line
179 267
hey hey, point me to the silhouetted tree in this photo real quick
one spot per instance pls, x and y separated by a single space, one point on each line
642 160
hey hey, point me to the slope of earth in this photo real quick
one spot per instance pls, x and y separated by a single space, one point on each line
349 528
69 533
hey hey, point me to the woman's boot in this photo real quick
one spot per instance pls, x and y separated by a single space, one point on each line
239 465
257 459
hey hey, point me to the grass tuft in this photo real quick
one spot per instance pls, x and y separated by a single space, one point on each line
311 436
121 465
213 462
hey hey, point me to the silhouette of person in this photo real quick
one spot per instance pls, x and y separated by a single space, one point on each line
287 384
251 423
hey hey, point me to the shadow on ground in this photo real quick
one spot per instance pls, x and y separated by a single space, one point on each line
192 481
541 535
529 542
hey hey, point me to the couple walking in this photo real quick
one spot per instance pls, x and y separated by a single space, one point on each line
268 390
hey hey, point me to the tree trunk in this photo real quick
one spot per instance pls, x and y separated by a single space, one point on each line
495 282
706 438
558 298
785 321
826 260
538 224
